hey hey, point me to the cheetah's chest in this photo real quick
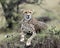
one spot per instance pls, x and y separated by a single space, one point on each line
27 27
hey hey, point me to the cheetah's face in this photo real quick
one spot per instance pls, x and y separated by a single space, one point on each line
27 14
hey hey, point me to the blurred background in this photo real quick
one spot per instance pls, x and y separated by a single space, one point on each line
47 11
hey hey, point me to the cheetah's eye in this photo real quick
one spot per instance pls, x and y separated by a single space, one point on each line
29 12
25 12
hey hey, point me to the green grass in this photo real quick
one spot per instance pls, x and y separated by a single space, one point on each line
3 38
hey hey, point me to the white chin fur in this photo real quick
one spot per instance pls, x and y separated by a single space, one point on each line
26 18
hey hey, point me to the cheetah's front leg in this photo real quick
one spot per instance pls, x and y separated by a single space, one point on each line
30 39
22 37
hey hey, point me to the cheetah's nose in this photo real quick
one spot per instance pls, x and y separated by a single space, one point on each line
28 15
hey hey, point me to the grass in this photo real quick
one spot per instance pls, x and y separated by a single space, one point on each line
3 38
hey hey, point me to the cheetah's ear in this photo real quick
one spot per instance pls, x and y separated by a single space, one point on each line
33 12
21 10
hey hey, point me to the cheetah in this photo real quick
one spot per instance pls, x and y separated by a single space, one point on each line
30 24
